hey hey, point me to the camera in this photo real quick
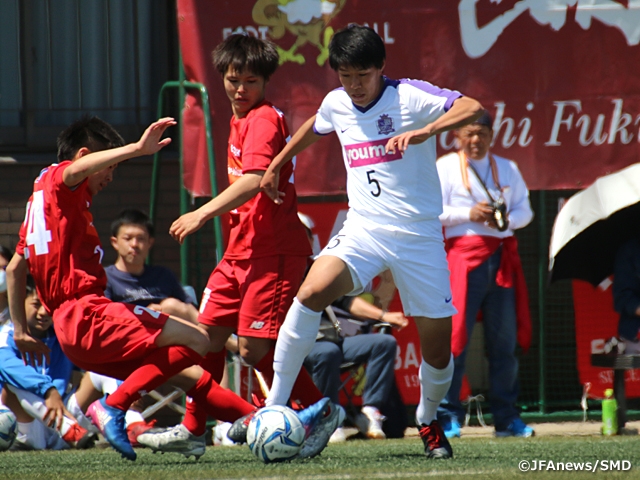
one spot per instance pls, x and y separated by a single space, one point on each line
500 214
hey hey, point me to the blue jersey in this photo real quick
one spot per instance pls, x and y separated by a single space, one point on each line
36 380
154 285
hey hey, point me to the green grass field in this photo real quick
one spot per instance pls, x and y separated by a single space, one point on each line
474 457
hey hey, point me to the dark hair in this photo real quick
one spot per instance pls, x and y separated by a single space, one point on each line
245 53
89 132
132 216
31 285
5 253
358 47
485 120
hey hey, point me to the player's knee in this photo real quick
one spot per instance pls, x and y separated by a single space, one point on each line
251 356
388 344
312 297
172 306
199 340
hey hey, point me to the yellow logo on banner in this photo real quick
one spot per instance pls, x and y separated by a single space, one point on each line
308 20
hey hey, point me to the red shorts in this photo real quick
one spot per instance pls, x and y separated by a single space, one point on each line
107 337
252 296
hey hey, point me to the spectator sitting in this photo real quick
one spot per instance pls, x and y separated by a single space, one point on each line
34 394
131 281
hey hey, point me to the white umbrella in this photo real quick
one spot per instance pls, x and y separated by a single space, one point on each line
593 224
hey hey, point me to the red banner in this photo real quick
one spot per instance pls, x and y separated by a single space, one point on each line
559 76
597 322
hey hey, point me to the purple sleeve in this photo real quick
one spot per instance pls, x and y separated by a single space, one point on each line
450 95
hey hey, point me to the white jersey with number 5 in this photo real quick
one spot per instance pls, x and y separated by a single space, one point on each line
388 188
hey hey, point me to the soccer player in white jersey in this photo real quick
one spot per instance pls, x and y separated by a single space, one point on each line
387 130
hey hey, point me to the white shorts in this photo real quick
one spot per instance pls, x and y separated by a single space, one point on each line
417 260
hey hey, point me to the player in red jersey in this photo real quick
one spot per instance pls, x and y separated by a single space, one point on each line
60 247
251 289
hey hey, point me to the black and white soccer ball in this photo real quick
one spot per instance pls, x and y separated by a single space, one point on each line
8 429
275 434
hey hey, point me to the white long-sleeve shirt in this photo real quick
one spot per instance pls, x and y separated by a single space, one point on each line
458 201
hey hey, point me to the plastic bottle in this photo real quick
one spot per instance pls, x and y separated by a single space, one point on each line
609 413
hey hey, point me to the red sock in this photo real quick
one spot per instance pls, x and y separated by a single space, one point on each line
215 401
304 391
213 362
195 417
160 366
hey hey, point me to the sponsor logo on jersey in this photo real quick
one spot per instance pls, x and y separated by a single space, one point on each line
255 325
235 150
233 171
385 125
370 153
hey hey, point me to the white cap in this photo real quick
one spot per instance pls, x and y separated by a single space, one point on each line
306 220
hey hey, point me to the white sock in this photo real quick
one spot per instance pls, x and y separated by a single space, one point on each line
102 383
132 417
434 385
295 341
76 411
32 434
35 406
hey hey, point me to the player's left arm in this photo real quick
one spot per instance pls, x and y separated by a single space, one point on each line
463 111
32 349
237 194
149 143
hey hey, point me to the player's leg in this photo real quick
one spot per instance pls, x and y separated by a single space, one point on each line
35 407
208 396
328 279
157 346
350 260
30 435
179 345
268 288
421 273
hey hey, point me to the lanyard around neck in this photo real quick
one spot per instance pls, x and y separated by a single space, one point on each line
464 170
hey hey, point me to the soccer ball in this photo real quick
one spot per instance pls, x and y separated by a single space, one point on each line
275 434
8 429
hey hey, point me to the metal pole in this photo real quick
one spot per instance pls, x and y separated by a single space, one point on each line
543 254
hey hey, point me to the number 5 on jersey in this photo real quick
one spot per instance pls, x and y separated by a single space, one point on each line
37 233
376 183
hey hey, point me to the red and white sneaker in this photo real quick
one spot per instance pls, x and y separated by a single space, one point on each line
435 442
138 428
78 437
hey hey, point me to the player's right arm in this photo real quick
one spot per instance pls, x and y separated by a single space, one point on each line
95 162
17 288
304 137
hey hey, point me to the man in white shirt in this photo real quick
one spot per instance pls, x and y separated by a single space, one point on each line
484 200
387 130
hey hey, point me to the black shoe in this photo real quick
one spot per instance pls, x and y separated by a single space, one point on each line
238 431
435 442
